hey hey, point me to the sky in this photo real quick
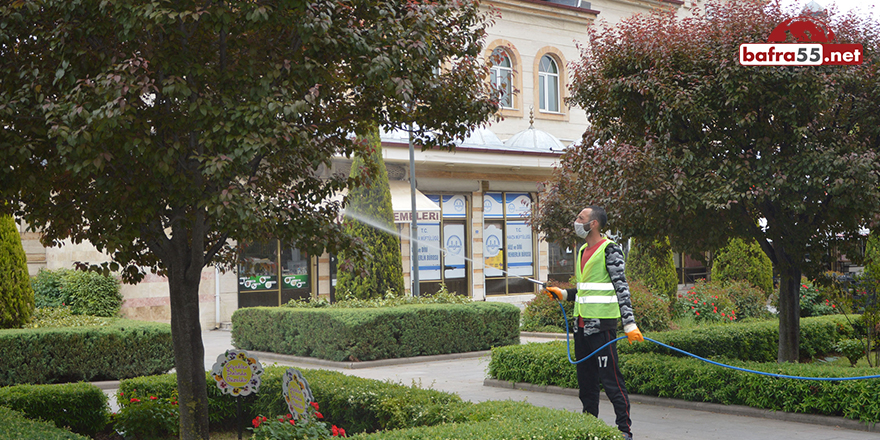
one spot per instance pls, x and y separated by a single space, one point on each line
863 7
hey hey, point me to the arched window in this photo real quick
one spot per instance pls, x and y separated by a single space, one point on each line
502 76
548 85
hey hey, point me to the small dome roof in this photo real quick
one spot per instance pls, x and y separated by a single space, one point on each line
532 139
482 138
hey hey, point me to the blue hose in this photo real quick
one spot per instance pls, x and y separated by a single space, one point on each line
783 376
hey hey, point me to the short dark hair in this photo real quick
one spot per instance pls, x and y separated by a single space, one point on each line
598 213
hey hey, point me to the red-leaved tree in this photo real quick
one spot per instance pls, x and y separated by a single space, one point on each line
686 142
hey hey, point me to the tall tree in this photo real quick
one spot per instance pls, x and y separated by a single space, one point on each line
690 144
370 217
16 294
160 131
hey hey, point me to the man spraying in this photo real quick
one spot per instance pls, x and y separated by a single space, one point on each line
602 296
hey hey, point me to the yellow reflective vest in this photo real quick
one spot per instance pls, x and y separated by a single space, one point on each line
596 297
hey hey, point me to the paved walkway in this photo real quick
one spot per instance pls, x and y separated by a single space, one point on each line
653 418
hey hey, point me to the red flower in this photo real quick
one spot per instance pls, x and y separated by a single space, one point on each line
319 415
698 313
153 397
315 405
257 421
803 285
174 402
121 394
134 400
334 430
292 422
341 432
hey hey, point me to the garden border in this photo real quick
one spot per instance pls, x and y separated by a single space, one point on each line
734 410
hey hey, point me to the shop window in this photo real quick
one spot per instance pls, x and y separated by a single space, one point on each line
271 275
561 262
443 247
508 243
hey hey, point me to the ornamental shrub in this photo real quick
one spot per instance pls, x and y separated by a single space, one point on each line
851 349
814 302
706 301
382 271
47 288
542 314
742 260
149 418
651 263
91 293
651 311
750 301
16 294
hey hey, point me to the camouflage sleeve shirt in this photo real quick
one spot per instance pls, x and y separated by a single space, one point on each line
615 264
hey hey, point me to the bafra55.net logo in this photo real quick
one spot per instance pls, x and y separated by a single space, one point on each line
813 47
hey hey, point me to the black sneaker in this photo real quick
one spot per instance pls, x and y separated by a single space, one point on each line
626 435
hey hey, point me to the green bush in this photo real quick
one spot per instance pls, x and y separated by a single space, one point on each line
85 292
814 302
443 296
382 271
651 263
17 426
122 349
690 379
707 302
80 407
16 294
508 420
91 293
751 341
148 418
376 333
353 403
851 349
749 301
47 317
392 411
651 311
47 288
543 314
742 261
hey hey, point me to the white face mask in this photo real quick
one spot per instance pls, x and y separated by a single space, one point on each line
580 231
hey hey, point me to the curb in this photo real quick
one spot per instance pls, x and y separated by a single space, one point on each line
265 356
734 410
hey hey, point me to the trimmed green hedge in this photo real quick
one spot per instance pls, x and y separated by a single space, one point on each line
752 341
17 426
508 420
380 333
121 350
80 407
368 406
690 379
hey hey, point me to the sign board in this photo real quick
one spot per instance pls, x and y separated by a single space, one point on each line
296 392
236 373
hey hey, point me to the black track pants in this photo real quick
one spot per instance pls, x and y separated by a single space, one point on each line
601 367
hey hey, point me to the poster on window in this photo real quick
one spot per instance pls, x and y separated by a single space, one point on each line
453 236
493 252
493 205
454 206
429 251
519 205
519 249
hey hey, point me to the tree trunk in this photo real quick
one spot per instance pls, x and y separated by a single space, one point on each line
189 352
789 314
